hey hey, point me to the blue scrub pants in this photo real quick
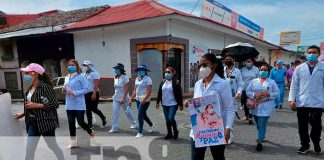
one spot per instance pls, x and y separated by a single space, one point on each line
279 101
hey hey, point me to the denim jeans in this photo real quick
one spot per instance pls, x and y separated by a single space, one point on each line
142 115
261 123
169 114
33 138
218 152
79 115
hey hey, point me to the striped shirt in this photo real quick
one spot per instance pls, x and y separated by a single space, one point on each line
47 118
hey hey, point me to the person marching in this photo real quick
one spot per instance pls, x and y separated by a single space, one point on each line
233 77
170 94
307 96
40 111
142 92
264 91
75 87
92 97
121 98
248 72
213 83
278 75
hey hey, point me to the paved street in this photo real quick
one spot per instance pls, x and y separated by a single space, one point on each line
282 138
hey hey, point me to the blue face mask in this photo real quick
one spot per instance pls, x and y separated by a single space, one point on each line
249 65
141 73
263 74
117 71
312 58
168 76
72 69
28 78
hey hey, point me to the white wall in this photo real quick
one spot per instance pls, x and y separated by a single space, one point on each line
88 45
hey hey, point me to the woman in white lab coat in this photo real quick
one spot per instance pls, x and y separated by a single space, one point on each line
213 83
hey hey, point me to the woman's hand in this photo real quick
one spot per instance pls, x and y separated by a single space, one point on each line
181 108
94 96
237 96
19 115
122 101
143 101
227 134
32 105
157 106
185 103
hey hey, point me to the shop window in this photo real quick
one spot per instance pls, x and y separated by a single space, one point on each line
8 53
11 80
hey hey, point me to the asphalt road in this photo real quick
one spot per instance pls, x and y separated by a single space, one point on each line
282 139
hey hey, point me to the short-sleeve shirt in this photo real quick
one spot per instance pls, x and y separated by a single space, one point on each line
90 79
119 84
141 85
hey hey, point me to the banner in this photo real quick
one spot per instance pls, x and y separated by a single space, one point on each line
301 50
287 38
195 53
206 121
322 47
221 14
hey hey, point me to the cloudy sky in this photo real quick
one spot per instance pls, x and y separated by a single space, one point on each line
274 16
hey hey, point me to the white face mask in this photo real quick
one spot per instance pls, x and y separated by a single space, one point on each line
204 72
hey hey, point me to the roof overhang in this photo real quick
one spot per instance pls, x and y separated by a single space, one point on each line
32 31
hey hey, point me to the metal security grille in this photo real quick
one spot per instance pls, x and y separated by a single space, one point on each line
11 80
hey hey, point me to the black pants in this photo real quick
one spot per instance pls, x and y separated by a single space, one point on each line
313 117
92 106
79 115
218 152
243 102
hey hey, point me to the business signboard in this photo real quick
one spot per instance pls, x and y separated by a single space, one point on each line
287 38
215 11
301 50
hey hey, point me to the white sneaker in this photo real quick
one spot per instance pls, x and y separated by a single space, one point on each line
112 131
230 141
73 144
152 128
139 135
133 126
77 126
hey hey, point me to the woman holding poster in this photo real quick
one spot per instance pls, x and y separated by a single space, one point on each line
264 91
213 84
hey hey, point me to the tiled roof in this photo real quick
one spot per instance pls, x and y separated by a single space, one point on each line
55 19
141 9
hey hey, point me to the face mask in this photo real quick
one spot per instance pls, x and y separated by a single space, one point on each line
229 63
210 110
72 69
311 57
141 73
117 71
168 76
263 74
204 72
198 104
28 78
249 65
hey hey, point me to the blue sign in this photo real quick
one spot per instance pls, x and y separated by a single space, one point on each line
249 23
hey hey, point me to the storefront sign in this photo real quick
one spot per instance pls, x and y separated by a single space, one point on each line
301 50
196 52
287 38
221 14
